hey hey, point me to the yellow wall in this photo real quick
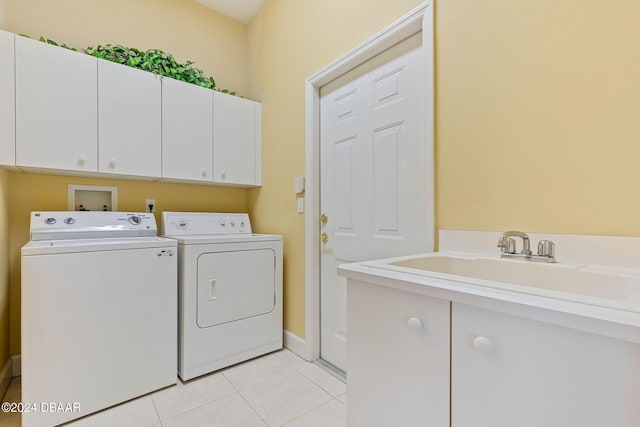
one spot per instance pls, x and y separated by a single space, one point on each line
3 12
537 113
536 103
4 245
288 41
188 30
4 268
538 116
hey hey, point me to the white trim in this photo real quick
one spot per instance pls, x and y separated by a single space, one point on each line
421 18
16 365
5 377
295 343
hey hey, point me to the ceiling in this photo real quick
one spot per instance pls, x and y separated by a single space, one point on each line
241 10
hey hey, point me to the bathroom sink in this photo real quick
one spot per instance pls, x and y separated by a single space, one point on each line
597 285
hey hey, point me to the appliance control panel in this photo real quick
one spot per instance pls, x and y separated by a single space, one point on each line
56 225
197 223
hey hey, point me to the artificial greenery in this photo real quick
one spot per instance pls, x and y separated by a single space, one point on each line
152 60
42 39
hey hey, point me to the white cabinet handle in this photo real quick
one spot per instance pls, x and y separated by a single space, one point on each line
82 160
112 163
415 324
223 174
204 173
483 345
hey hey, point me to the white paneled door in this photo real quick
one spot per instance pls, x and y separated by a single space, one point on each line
373 176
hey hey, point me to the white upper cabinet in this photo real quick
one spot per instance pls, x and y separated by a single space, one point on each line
7 100
129 121
237 136
187 131
56 107
62 110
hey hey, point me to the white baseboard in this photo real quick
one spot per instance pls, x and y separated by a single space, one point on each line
16 363
295 344
5 377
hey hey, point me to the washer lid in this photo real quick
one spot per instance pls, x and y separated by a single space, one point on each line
48 247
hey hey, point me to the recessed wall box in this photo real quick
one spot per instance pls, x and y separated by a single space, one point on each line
92 198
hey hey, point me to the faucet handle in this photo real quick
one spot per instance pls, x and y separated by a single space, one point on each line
510 246
546 248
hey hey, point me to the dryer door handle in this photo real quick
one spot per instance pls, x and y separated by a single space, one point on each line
212 289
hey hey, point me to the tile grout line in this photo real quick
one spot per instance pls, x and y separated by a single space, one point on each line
253 409
239 393
308 412
156 408
322 388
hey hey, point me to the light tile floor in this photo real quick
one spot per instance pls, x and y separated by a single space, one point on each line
279 389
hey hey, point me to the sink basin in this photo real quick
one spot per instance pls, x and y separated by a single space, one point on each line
597 285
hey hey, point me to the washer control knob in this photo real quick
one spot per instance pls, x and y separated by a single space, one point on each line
135 220
50 221
69 221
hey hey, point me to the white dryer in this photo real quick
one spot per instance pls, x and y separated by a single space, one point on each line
99 308
230 290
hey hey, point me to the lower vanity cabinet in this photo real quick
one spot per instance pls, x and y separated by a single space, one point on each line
511 371
397 358
414 360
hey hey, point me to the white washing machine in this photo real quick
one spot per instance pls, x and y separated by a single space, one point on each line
230 290
99 309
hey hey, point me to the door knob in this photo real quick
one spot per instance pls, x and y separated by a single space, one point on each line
324 218
324 237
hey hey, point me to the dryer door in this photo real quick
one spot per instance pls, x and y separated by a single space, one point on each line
235 285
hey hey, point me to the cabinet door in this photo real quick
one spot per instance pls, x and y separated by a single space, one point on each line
187 131
56 107
7 100
237 140
510 371
129 120
397 358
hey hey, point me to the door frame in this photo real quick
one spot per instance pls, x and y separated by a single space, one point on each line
419 19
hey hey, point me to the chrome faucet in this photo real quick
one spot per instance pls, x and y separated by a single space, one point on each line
507 245
505 242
